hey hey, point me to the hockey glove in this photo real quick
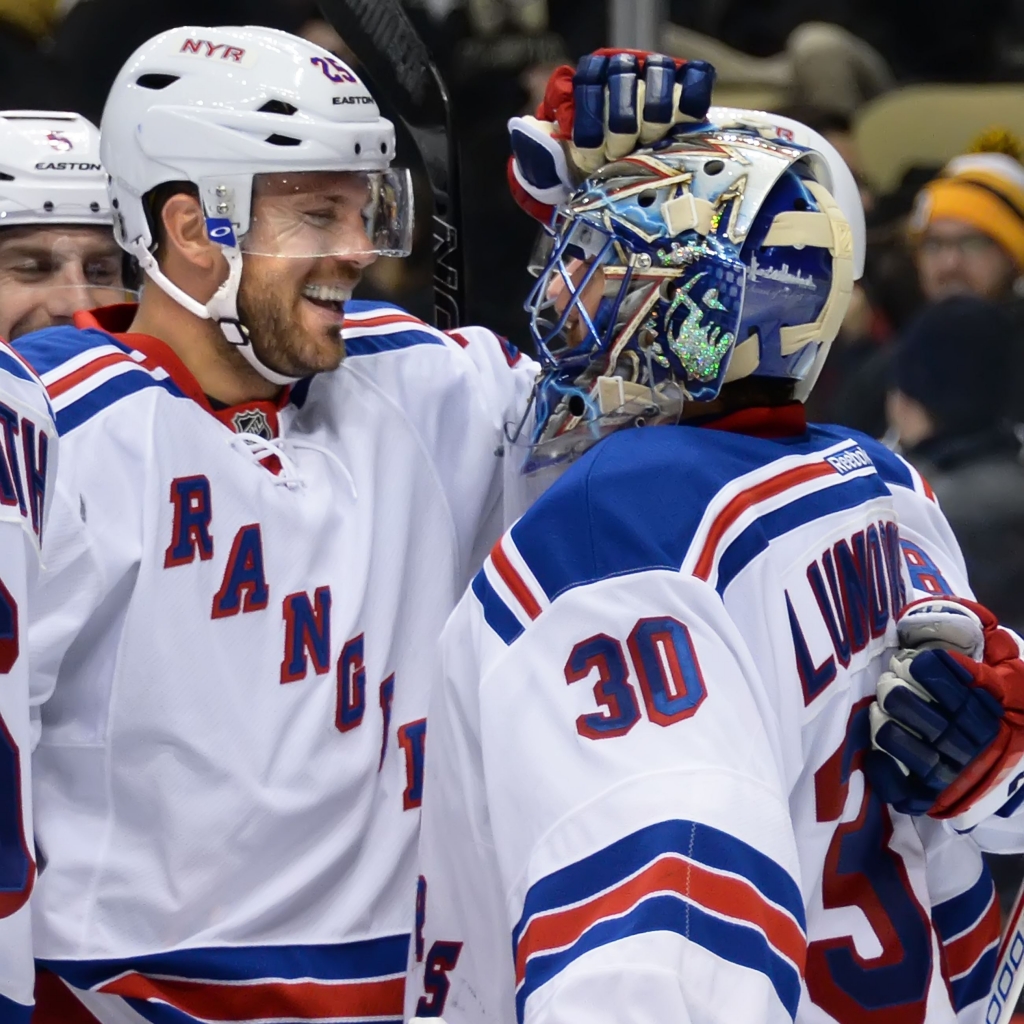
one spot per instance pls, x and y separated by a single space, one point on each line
947 729
614 100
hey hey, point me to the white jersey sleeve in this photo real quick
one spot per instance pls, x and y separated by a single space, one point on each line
28 456
605 832
466 386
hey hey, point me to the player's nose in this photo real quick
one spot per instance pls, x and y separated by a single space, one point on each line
68 291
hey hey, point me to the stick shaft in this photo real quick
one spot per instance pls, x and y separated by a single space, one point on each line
408 85
1009 979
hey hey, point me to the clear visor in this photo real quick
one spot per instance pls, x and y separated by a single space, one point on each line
315 214
49 274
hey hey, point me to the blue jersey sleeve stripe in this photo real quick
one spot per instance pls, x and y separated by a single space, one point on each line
756 537
158 1013
106 394
727 939
497 614
718 850
14 1013
368 344
956 915
977 983
15 367
371 958
357 307
50 348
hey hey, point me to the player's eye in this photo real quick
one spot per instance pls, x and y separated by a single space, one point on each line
104 270
33 268
320 218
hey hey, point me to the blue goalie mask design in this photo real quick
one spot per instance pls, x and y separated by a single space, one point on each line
716 255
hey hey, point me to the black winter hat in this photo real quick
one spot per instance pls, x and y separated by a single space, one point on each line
955 360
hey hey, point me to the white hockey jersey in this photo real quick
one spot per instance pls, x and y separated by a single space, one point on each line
237 633
28 463
645 798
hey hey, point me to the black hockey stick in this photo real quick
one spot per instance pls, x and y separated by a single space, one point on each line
404 78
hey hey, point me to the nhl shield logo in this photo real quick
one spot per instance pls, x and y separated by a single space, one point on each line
253 421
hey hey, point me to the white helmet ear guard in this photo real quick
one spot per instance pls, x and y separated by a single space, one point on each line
219 107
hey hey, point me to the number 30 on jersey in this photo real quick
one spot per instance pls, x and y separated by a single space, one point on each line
661 656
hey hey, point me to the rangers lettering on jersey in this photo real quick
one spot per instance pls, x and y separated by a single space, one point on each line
254 623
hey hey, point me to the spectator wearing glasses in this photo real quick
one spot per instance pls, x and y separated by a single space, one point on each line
966 235
968 228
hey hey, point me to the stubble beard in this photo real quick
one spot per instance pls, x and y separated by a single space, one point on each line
278 339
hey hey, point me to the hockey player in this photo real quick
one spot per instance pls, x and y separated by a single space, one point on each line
253 550
646 797
28 463
57 251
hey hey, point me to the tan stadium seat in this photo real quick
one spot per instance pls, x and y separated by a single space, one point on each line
928 124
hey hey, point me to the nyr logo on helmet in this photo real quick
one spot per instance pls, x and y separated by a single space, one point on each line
849 460
214 51
59 142
334 70
253 421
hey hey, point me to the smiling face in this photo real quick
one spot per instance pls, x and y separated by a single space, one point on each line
304 255
49 274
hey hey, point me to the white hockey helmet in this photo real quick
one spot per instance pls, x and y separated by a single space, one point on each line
219 107
50 170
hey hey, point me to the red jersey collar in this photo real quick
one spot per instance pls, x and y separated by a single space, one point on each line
789 420
247 417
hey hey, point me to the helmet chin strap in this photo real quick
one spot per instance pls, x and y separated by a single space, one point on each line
222 307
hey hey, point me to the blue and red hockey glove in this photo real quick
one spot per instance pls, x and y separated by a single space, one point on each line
613 101
947 728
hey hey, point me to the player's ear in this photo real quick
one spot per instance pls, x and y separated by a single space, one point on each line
185 237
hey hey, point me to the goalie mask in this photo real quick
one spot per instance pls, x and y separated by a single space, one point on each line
726 251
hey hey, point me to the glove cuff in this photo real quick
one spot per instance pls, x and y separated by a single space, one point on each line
524 200
985 785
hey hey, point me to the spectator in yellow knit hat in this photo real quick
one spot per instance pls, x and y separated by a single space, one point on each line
968 228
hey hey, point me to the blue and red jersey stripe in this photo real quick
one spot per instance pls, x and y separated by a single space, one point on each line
968 926
357 981
678 876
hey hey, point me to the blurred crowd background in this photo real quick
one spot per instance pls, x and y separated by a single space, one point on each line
924 98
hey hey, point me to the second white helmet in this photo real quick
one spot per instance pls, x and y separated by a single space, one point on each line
50 170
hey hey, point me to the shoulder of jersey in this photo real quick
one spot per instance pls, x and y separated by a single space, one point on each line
20 382
684 499
86 371
372 328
